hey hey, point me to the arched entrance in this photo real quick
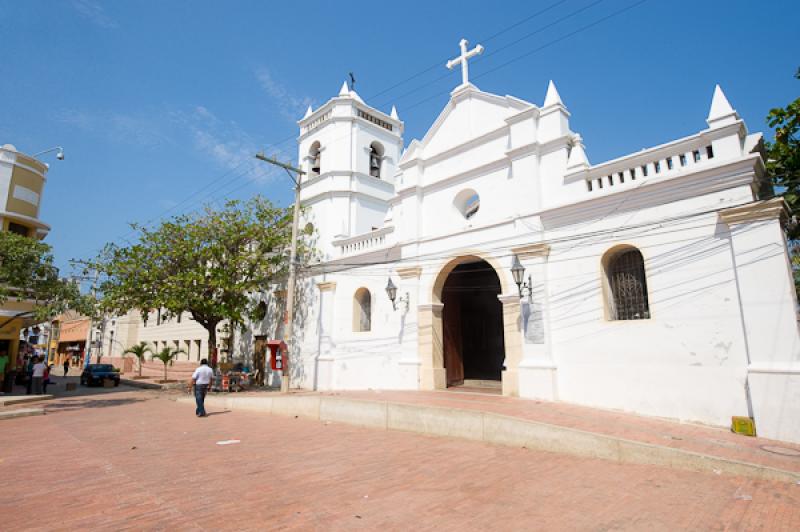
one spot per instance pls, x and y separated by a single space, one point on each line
472 324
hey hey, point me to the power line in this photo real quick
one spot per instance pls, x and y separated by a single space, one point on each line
489 38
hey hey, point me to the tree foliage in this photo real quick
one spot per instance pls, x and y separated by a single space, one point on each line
783 155
207 265
27 273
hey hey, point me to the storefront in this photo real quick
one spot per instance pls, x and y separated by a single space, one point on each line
72 341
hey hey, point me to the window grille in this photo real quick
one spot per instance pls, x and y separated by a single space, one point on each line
628 286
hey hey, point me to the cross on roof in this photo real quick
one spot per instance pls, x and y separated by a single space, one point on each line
463 59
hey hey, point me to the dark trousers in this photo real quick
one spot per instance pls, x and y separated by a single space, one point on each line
200 391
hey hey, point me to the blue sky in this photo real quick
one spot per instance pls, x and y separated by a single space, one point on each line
160 105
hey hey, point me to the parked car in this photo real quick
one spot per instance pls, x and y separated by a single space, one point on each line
97 373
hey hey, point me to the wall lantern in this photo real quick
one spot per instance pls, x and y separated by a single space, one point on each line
391 291
518 272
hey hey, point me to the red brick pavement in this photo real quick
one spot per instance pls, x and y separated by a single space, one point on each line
136 460
687 436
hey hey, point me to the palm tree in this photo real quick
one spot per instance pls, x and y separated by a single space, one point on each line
166 355
138 351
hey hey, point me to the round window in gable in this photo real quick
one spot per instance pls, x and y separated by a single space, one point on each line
467 202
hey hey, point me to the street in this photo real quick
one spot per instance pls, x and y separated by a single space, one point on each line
135 459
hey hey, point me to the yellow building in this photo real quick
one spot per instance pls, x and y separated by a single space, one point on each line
22 180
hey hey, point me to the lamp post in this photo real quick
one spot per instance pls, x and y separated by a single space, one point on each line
58 149
292 171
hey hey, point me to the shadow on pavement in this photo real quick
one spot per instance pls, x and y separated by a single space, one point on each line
100 402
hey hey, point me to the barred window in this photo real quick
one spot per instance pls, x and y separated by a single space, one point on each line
627 286
362 310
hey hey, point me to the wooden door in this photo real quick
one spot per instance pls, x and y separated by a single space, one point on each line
260 360
451 328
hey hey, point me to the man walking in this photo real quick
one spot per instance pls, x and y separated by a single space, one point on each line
201 380
66 366
37 376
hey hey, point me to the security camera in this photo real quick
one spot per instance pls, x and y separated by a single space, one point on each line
60 155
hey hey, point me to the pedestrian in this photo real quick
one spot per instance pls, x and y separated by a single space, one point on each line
29 362
66 366
201 380
3 363
37 375
46 379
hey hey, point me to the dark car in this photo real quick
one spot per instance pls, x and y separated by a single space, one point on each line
97 373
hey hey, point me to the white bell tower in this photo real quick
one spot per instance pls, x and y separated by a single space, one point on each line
350 153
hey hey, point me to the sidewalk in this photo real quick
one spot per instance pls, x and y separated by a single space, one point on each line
542 425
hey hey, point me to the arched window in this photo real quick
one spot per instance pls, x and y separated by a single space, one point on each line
626 285
362 310
315 154
375 159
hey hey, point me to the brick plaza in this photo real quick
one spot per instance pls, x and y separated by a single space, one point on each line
133 460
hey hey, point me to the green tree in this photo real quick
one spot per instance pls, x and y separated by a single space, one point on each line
166 355
138 350
207 265
27 273
783 155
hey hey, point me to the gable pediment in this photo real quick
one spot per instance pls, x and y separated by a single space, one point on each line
469 114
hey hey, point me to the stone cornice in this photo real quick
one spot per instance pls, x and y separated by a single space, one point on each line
409 272
771 209
328 286
435 307
532 250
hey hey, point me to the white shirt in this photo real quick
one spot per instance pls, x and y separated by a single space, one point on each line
38 369
202 375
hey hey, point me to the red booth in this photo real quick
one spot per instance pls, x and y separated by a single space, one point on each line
277 350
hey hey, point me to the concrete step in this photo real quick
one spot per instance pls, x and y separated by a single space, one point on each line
21 412
8 400
490 428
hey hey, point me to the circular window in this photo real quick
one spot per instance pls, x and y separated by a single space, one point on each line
467 202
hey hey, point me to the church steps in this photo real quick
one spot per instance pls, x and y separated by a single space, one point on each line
478 423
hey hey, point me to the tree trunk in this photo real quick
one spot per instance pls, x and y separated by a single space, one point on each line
141 359
212 344
165 371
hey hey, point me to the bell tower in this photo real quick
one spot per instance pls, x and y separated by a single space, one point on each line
350 152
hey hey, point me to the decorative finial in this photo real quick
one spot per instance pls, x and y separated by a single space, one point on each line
552 97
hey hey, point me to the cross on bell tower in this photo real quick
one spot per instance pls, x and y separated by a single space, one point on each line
465 55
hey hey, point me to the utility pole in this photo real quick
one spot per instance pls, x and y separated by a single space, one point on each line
295 175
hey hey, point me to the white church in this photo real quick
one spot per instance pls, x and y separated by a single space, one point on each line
492 253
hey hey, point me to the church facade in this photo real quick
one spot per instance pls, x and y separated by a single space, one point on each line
492 253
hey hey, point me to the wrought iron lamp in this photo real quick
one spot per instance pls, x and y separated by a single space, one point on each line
391 291
518 272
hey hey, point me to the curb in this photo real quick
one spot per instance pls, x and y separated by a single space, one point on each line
22 412
142 384
20 399
493 428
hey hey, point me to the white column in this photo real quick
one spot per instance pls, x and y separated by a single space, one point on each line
537 370
410 361
325 359
768 305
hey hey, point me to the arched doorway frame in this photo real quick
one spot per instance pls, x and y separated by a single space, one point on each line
431 341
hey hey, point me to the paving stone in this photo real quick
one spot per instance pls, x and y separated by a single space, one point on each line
136 460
